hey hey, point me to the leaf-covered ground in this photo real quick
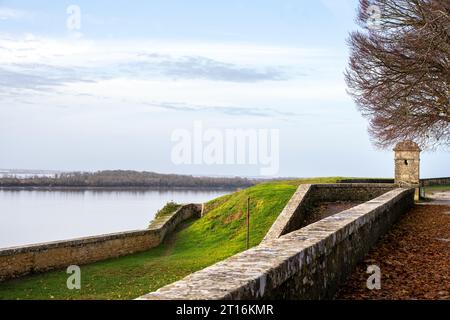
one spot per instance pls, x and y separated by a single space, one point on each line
414 258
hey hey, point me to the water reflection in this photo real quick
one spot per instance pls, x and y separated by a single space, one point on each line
33 216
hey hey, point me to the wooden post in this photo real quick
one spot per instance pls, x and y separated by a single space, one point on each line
248 223
422 190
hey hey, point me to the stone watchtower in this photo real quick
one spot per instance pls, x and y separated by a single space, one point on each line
407 164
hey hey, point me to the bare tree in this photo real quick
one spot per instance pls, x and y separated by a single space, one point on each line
399 70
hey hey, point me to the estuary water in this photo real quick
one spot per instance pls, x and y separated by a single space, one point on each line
36 216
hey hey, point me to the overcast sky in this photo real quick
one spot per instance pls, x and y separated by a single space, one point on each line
110 94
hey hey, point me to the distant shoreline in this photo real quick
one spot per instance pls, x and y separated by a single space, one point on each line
122 180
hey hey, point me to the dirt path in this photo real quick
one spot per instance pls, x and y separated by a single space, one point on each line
440 197
414 258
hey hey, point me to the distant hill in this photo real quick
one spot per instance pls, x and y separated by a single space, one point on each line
122 178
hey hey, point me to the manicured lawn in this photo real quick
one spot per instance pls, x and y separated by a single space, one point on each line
220 234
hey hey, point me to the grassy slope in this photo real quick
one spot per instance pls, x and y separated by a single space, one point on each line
218 235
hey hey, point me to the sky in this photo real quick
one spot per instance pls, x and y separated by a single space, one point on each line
93 85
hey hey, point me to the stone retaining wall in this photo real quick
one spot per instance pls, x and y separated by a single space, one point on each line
307 196
305 264
359 180
349 191
18 261
435 182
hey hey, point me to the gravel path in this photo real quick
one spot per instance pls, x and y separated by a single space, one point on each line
440 197
414 258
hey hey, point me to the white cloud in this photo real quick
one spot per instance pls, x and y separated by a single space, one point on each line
196 76
11 14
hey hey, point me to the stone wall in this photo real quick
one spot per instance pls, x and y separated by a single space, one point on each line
307 196
18 261
435 182
305 264
349 191
358 180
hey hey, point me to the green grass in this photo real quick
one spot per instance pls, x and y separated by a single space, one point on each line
220 234
436 188
165 211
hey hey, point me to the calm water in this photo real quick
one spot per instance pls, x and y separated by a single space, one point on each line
41 216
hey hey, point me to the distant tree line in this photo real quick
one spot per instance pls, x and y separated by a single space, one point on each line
120 178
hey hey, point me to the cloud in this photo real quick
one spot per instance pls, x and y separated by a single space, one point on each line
227 110
198 67
11 14
36 77
250 111
96 61
224 79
